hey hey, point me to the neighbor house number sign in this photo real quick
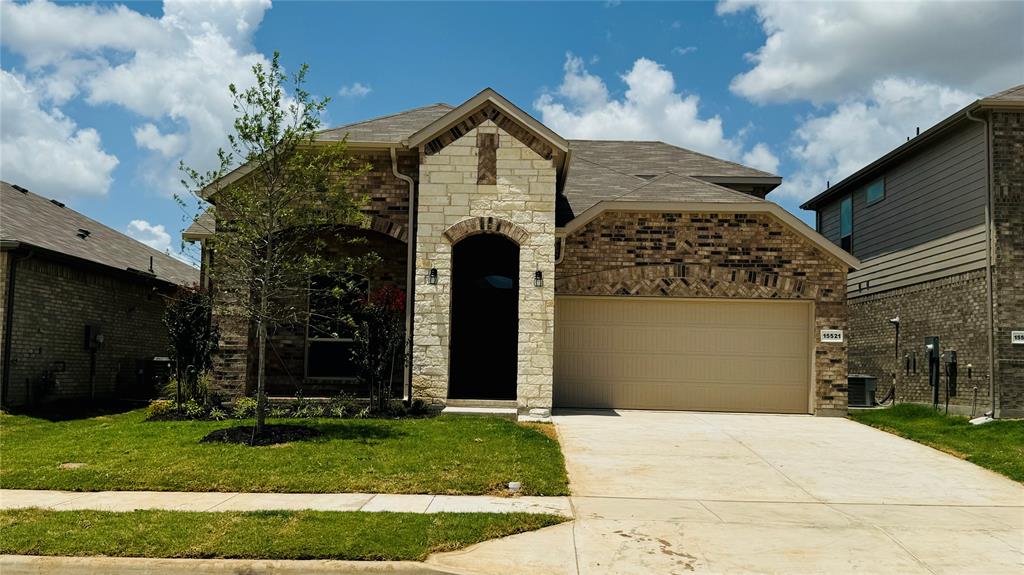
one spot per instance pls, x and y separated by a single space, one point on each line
1017 337
832 336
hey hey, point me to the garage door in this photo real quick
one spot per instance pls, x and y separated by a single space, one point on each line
663 353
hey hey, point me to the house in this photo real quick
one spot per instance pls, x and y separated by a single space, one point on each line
82 313
939 226
590 274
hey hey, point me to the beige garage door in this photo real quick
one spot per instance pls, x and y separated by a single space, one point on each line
663 353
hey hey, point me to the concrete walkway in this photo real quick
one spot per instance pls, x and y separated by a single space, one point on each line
22 565
675 493
186 501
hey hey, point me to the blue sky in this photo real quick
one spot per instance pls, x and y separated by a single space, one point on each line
100 101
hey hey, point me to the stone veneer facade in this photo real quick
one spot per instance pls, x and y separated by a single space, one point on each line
723 255
452 205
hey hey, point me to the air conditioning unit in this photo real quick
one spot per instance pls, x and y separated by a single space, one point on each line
861 390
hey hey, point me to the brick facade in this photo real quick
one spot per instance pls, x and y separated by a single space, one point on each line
1008 269
952 308
713 255
521 206
387 211
53 302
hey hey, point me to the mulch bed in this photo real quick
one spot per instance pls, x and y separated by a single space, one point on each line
272 434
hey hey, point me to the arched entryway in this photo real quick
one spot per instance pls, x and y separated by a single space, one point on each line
484 318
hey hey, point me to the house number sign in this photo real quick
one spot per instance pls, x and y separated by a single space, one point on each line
832 336
1017 337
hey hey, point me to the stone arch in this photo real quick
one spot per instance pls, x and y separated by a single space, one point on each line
387 227
687 280
486 225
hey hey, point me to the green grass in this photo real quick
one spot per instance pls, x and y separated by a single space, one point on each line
998 445
443 455
258 535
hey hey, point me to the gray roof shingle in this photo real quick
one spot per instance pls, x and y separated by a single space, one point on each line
31 219
391 129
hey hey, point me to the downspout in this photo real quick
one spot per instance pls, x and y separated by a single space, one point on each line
993 385
410 270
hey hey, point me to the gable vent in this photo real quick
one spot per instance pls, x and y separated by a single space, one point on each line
646 176
56 203
83 233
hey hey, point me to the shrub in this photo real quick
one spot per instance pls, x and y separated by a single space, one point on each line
194 410
160 409
217 414
243 408
193 339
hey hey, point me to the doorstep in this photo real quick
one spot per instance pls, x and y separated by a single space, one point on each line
502 412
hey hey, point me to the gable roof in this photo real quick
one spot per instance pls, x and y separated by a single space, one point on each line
30 219
487 98
1011 98
203 226
602 170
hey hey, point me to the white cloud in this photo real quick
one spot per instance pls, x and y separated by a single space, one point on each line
44 150
825 51
155 237
833 145
149 137
762 158
172 71
356 90
651 109
682 51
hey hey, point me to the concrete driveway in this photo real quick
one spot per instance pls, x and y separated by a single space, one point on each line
674 492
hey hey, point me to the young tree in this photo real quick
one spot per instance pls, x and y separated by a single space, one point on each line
193 339
271 221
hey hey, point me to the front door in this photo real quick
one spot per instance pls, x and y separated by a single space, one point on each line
485 318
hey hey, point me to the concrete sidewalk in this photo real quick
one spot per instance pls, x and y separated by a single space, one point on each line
23 565
187 501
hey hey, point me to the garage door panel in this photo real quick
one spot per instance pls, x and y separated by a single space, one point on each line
715 355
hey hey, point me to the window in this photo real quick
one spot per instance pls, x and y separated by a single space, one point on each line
875 191
329 335
846 224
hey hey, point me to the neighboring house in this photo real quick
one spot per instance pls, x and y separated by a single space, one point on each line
938 224
82 313
588 274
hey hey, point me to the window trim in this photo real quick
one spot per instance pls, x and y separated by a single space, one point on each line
849 248
868 201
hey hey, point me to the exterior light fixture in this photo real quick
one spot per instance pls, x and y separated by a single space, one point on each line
538 279
432 277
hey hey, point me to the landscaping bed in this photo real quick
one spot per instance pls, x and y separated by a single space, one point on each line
998 445
255 535
123 451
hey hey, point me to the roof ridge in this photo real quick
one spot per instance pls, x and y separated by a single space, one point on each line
386 116
716 158
722 188
609 168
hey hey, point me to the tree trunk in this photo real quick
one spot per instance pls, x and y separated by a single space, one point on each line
261 378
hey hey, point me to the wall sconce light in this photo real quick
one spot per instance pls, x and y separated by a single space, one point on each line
432 277
538 279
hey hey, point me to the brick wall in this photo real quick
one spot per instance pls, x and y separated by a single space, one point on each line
1008 270
952 308
53 304
387 208
450 194
713 255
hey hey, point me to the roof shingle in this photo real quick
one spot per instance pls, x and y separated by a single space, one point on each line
29 218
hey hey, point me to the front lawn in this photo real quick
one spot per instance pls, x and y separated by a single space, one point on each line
998 445
258 535
442 455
